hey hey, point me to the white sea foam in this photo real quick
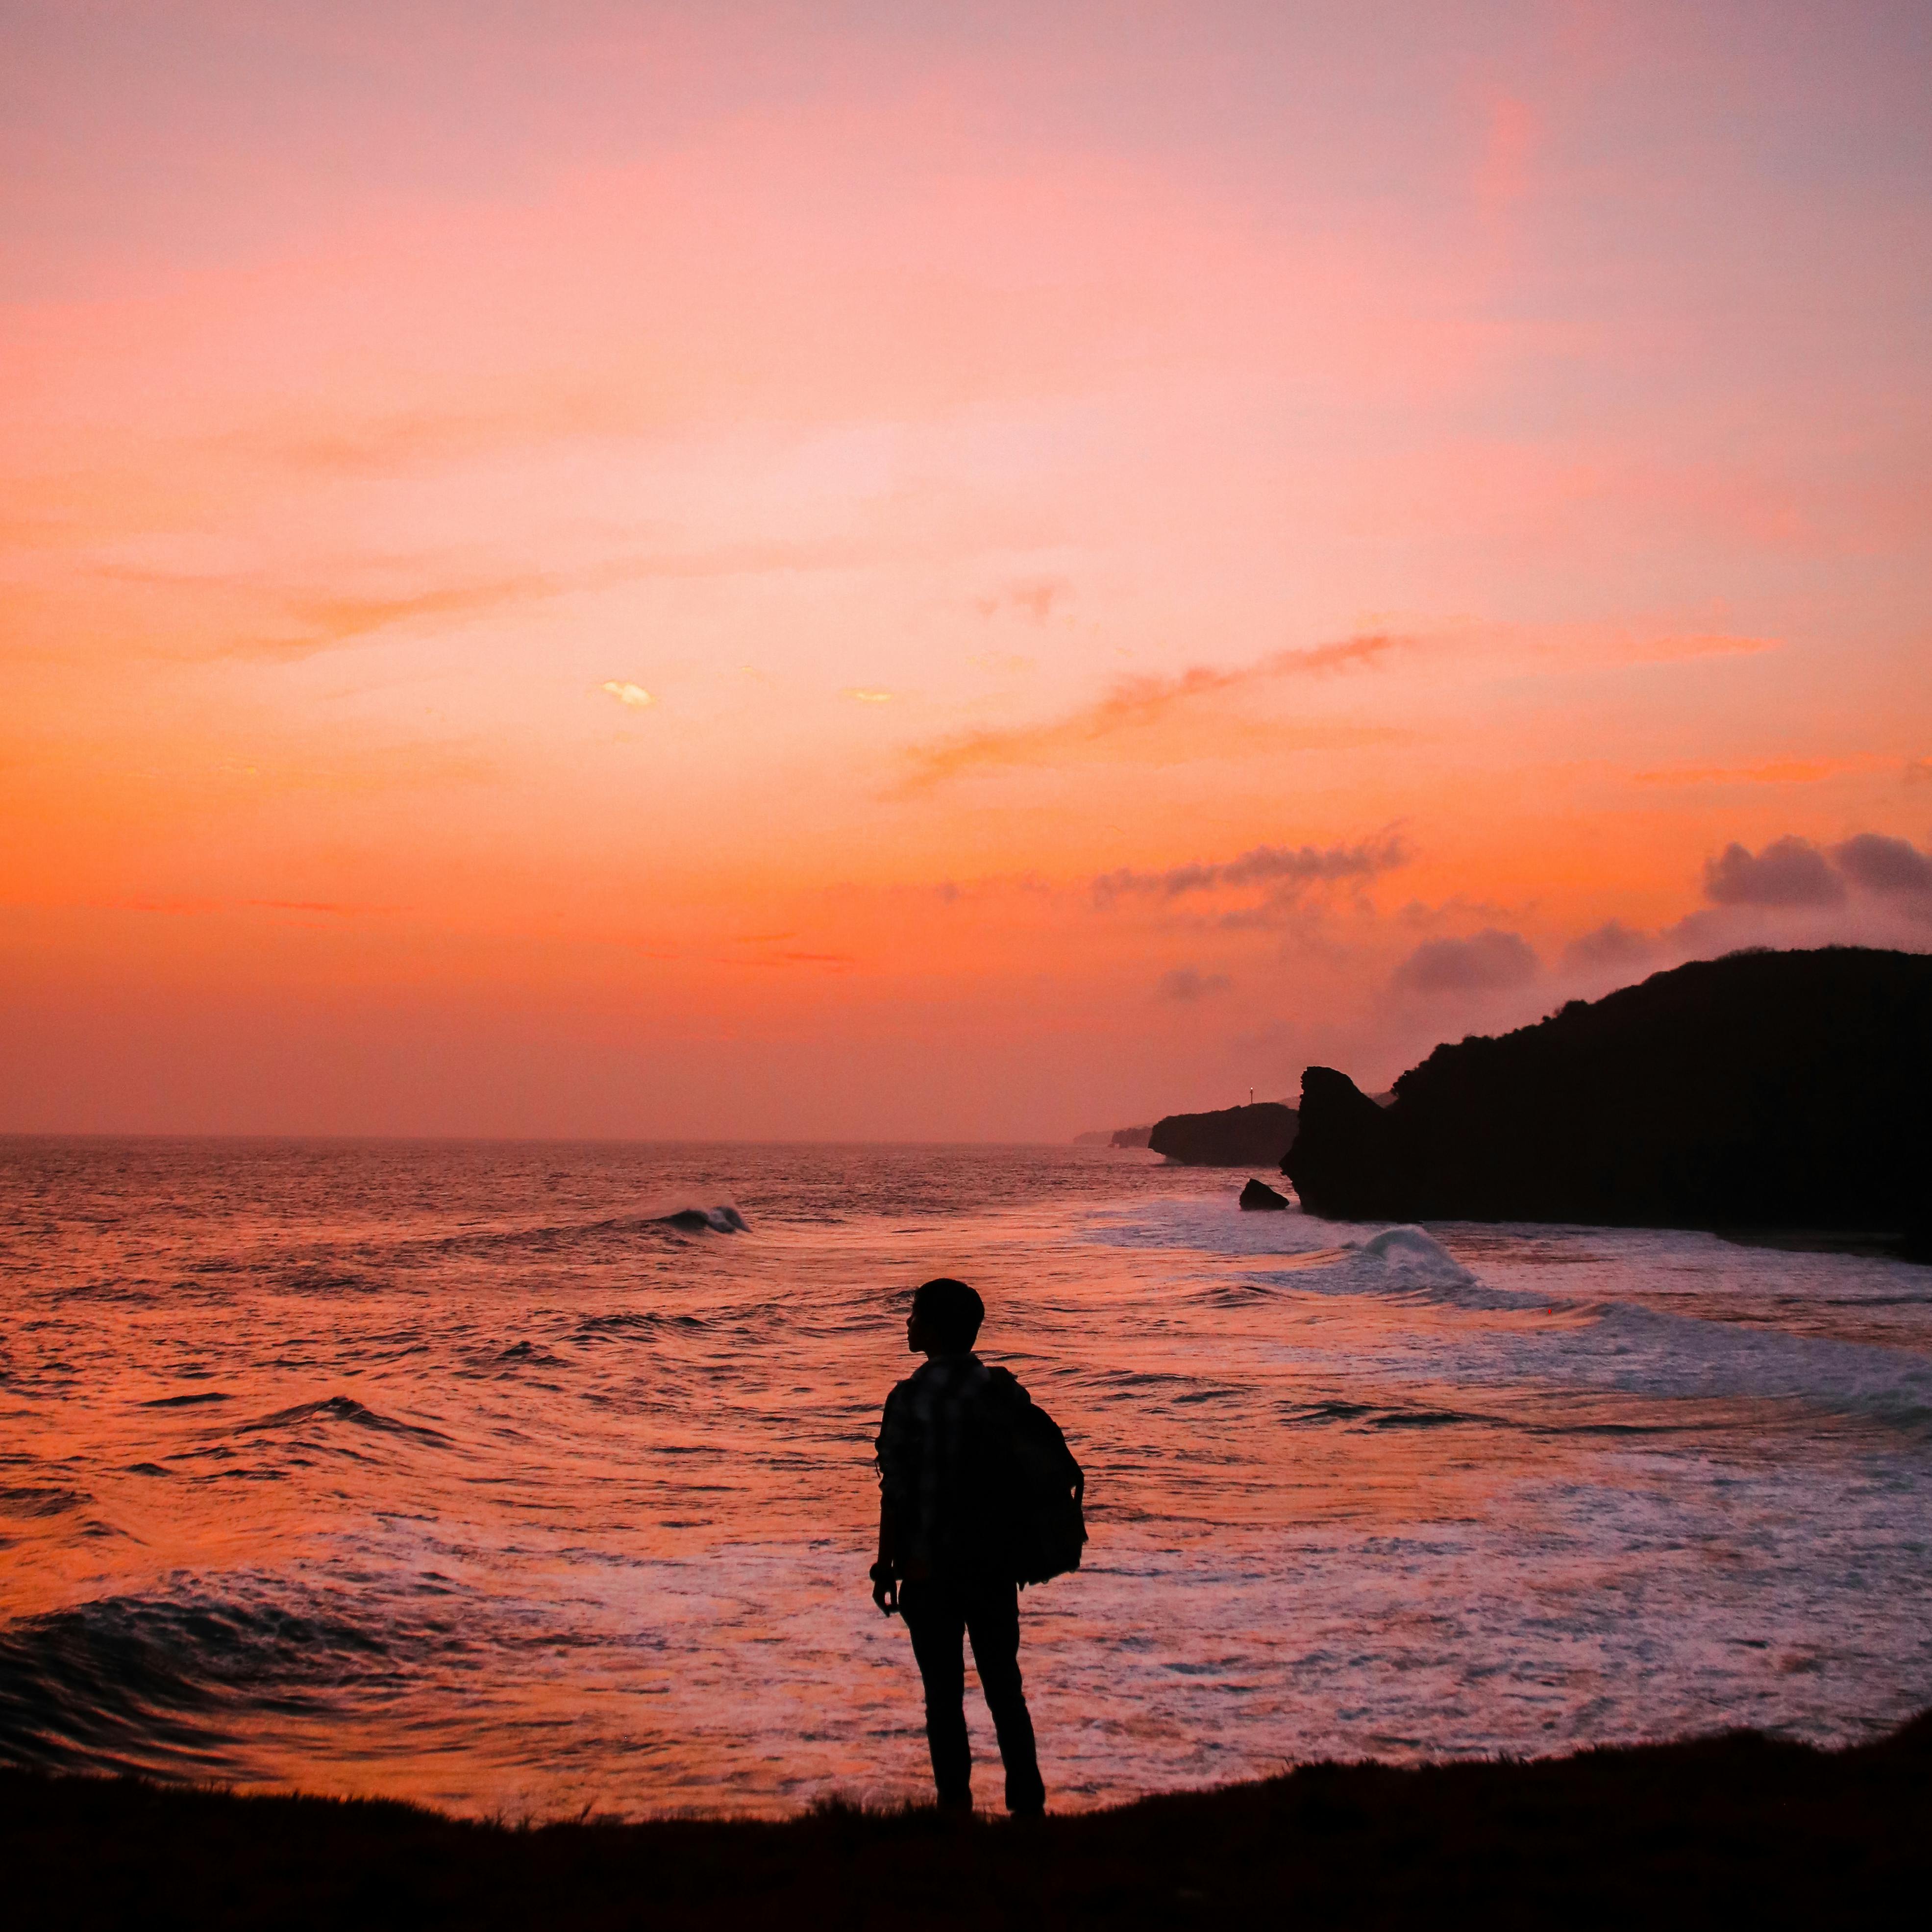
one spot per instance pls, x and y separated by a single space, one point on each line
1677 1315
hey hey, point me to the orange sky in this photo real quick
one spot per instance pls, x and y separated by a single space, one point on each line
894 571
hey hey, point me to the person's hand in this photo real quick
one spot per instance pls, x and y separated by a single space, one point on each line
885 1588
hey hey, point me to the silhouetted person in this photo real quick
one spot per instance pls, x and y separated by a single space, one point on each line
944 1555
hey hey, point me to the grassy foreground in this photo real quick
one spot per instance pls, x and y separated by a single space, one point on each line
1728 1831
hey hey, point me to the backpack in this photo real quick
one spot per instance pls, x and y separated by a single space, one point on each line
1039 1490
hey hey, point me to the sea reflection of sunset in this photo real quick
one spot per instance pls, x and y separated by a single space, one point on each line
454 1471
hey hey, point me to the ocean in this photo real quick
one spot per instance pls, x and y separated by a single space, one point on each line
454 1472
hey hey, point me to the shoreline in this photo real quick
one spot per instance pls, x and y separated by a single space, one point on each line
1866 1245
1698 1831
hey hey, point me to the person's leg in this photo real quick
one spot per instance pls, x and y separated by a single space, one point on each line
937 1625
993 1617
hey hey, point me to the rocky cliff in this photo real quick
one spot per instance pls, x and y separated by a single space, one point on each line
1766 1089
1256 1136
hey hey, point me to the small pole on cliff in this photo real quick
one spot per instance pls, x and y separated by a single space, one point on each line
1251 1096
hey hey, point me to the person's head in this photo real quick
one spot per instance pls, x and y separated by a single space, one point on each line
945 1319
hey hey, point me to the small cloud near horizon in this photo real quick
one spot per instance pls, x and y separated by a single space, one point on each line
1185 984
634 695
1613 944
1883 864
1789 871
1491 960
1791 875
1032 598
867 697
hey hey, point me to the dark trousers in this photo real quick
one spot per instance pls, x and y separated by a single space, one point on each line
937 1613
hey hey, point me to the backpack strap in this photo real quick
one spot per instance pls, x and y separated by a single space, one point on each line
1005 1385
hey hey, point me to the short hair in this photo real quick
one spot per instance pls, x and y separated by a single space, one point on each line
950 1312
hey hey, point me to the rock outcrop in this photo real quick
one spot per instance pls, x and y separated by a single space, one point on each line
1131 1137
1258 1194
1347 1162
1765 1089
1253 1136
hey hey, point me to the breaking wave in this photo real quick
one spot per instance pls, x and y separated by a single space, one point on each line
724 1220
339 1409
155 1684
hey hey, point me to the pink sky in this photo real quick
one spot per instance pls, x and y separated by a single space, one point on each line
1161 544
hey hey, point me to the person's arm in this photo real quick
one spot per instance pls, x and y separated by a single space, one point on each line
885 1578
885 1570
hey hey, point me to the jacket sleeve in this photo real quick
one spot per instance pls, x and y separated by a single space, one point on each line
890 1448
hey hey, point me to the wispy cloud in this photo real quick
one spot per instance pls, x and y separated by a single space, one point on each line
1032 598
327 620
1279 866
258 617
1776 772
634 695
859 696
1136 704
1185 984
1676 647
331 908
261 619
386 444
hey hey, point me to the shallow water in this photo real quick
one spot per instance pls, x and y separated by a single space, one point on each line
454 1472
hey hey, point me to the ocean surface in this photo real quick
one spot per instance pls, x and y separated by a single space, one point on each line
454 1472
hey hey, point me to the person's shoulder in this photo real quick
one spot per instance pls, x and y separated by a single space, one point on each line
905 1390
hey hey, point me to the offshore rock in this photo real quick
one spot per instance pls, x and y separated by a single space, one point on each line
1258 1194
1763 1090
1256 1136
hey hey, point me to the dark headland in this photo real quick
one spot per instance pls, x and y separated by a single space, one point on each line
1257 1135
1765 1089
1738 1830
